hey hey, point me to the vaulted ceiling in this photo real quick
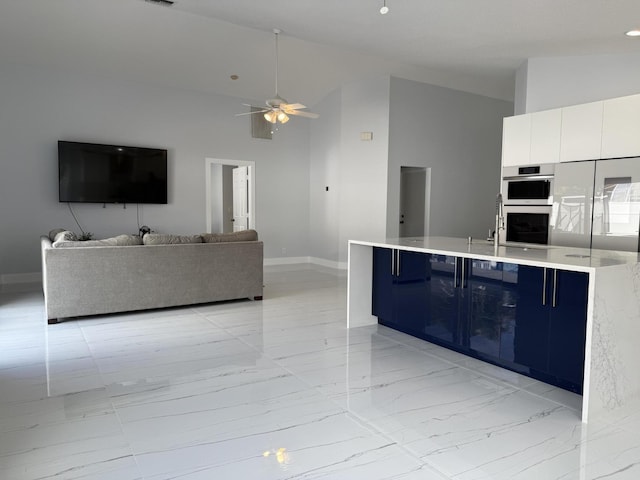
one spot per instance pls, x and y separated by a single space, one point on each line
470 45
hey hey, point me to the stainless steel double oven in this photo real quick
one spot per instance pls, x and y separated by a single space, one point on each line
528 198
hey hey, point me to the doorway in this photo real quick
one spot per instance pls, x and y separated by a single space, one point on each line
230 195
415 193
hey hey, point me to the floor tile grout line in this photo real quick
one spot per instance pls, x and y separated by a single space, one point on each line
113 406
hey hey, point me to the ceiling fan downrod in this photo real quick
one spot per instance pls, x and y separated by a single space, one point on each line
277 32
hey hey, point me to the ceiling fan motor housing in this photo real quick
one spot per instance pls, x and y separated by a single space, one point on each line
276 101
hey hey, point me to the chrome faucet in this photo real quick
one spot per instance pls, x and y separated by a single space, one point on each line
499 220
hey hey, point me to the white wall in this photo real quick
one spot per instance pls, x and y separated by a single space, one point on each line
561 81
520 100
41 106
325 156
363 165
456 134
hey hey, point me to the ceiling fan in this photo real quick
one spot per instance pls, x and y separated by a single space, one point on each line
278 109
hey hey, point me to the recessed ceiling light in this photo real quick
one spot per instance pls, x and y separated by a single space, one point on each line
633 33
234 77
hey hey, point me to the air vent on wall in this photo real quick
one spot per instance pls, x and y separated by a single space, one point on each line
166 3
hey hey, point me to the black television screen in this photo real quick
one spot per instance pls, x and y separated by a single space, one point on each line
94 173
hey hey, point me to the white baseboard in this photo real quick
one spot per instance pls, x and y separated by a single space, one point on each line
328 263
11 278
316 261
285 260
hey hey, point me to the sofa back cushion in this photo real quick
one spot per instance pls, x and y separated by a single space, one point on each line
168 239
120 240
241 236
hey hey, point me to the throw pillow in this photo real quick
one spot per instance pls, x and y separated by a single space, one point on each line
54 232
118 241
168 239
241 236
64 236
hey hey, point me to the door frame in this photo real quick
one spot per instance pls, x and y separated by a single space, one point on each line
209 164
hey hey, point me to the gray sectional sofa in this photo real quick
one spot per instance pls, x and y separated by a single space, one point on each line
89 278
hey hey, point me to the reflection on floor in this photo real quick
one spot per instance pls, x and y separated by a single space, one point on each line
277 389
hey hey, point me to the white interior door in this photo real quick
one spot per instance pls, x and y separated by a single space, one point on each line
219 183
241 198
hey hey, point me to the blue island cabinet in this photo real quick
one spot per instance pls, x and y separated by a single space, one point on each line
568 326
528 319
492 306
400 289
421 294
446 320
531 329
551 325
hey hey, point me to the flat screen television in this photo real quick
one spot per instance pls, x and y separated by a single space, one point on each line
94 173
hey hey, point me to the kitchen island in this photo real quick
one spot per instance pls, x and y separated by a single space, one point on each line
597 292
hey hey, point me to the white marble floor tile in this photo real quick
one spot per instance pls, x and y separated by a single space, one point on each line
69 436
316 445
278 389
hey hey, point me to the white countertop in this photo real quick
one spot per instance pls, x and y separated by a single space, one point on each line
568 258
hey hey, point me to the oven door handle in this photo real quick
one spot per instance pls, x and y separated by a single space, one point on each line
532 177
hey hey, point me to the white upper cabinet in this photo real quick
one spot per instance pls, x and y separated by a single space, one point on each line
531 139
621 127
581 132
591 131
516 140
545 136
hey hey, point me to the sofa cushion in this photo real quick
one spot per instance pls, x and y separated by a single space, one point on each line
241 236
168 239
117 241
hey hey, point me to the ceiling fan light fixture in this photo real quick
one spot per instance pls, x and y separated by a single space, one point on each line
270 116
282 117
384 10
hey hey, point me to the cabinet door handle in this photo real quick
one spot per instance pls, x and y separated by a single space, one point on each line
455 272
398 264
462 275
555 283
393 263
544 286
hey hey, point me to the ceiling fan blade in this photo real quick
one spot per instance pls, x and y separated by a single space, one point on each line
251 113
292 106
302 114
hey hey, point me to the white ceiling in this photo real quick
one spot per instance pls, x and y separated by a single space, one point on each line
472 45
